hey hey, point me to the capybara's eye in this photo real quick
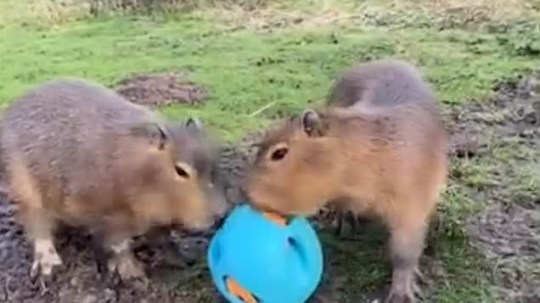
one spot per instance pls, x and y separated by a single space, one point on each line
279 154
180 171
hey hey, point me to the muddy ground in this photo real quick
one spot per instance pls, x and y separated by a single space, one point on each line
501 135
161 89
505 138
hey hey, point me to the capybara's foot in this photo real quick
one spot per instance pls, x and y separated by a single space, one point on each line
126 266
45 258
400 297
404 288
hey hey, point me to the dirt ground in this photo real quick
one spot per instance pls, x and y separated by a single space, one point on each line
507 231
505 135
160 89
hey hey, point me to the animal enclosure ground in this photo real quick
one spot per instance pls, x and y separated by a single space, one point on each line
160 90
263 64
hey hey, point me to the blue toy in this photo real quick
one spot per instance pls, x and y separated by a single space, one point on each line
260 257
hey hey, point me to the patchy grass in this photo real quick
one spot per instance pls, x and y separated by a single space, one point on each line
286 68
273 61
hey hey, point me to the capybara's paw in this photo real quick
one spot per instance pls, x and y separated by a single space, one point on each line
45 259
399 296
127 267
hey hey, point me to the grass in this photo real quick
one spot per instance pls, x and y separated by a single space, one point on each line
287 67
280 59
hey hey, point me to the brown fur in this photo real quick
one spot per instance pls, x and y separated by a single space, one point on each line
379 148
77 153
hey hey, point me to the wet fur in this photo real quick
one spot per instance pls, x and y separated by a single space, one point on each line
378 148
75 152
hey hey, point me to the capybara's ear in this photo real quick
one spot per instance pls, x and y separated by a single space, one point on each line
310 122
154 132
193 123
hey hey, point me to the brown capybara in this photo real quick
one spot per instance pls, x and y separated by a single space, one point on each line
78 154
378 148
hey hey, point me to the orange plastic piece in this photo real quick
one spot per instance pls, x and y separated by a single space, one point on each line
237 290
275 217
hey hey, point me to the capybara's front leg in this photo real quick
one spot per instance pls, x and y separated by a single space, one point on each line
406 245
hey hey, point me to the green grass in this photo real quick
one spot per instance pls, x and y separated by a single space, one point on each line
286 68
246 69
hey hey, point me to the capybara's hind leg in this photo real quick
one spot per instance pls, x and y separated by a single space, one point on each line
347 224
406 245
39 227
347 220
123 260
40 230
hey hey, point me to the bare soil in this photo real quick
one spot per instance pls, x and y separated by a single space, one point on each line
507 231
160 90
504 134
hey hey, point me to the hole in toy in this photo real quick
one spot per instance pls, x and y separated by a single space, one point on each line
240 292
292 241
299 249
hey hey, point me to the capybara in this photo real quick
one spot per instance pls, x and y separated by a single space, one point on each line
78 154
378 147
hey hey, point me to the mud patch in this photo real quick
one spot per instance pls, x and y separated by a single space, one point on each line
497 153
510 238
514 112
161 90
174 263
231 168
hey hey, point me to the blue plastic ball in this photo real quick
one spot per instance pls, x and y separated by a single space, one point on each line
274 263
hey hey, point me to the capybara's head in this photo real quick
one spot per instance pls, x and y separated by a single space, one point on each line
296 168
177 176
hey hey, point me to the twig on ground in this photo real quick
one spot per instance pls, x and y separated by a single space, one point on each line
262 109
